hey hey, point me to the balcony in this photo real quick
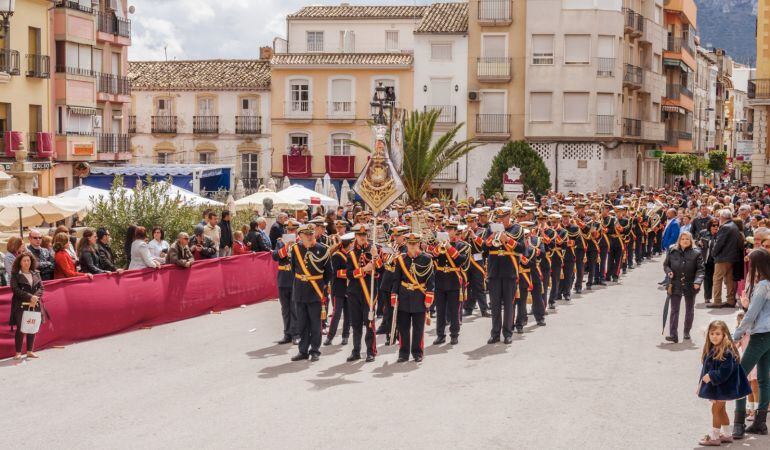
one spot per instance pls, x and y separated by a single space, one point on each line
248 125
493 127
759 90
447 113
38 66
70 70
633 77
163 124
131 124
675 91
298 110
111 24
41 144
676 44
114 85
74 5
341 110
493 69
9 62
632 127
340 166
450 174
495 12
605 124
653 131
206 124
605 67
298 166
113 147
633 22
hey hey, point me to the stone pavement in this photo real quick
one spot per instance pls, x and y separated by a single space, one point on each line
597 376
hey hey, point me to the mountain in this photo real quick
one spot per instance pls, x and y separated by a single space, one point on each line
731 25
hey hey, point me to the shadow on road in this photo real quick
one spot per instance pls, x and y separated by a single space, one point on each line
283 369
267 352
680 347
347 368
323 384
389 369
485 351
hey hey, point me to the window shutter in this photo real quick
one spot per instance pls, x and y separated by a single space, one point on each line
577 48
540 107
576 107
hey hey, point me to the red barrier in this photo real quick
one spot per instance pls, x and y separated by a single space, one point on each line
81 309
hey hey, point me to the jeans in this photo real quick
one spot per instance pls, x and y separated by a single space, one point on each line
757 354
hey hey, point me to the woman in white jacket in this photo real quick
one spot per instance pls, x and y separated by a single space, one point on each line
140 252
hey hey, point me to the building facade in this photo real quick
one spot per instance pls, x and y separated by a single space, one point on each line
203 112
679 68
704 122
759 98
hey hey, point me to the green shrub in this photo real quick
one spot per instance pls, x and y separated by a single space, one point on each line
534 175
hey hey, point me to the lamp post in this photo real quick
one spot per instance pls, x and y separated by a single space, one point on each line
7 8
379 105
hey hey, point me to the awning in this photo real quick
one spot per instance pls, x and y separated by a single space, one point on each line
160 169
676 63
674 109
82 110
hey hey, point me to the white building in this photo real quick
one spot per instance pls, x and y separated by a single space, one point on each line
704 121
209 112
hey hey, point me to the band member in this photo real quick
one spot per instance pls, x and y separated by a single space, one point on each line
579 232
339 261
361 267
502 273
638 234
557 259
386 283
285 283
530 280
477 292
615 255
319 229
546 234
412 295
311 266
624 231
451 259
592 250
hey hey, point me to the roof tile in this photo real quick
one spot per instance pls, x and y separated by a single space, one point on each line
351 59
444 18
222 74
358 12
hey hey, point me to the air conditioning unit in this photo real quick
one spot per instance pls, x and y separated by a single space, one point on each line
97 121
473 96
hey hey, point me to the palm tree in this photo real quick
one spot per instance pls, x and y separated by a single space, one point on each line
424 161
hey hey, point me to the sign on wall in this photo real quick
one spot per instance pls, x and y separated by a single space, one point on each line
512 181
744 150
83 149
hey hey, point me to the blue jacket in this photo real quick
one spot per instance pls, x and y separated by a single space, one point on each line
728 379
670 234
757 318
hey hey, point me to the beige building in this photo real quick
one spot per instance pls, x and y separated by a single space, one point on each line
759 98
704 123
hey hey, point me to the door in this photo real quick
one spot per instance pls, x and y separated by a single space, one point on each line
205 107
441 98
492 118
249 107
341 97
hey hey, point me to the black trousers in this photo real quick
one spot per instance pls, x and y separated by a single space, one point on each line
447 310
387 310
19 340
477 292
628 254
538 306
689 314
592 255
565 288
410 339
659 241
650 247
556 273
309 326
615 259
288 313
604 256
501 292
359 319
639 248
708 281
545 272
340 308
580 257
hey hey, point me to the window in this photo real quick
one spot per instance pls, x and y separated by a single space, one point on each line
540 106
205 157
164 107
206 106
340 144
79 121
347 41
250 169
605 104
249 106
577 48
78 57
300 96
440 51
341 95
162 158
391 40
297 144
493 46
658 15
576 107
315 41
542 49
390 88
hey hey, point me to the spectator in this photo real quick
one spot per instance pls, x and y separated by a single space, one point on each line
266 241
253 239
27 288
212 231
43 255
13 247
684 266
47 243
130 232
201 246
686 225
140 253
278 229
670 236
64 263
103 249
701 223
239 248
158 246
179 253
727 250
87 254
706 243
225 235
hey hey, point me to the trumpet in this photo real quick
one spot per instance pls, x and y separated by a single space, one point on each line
496 240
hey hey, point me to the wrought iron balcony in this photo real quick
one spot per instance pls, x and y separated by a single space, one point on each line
75 71
206 124
248 125
451 173
341 109
9 62
163 124
447 113
759 89
112 24
492 125
131 124
495 12
493 69
633 76
678 43
112 84
113 143
605 124
632 127
38 66
73 4
605 67
293 109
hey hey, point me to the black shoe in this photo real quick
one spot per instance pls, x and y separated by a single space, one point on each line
672 339
369 358
418 359
707 301
508 340
295 341
453 341
493 340
299 357
541 323
402 359
387 339
344 341
485 314
519 330
739 425
439 340
314 357
552 307
687 336
760 423
588 288
602 283
714 305
354 357
328 341
467 313
285 340
382 330
578 291
567 298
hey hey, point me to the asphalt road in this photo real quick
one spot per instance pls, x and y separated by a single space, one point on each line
597 376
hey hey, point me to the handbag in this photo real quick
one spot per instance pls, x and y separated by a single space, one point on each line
30 321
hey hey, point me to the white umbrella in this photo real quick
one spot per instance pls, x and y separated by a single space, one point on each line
230 204
27 210
189 197
271 184
319 186
285 184
344 191
327 183
332 191
308 197
240 191
254 202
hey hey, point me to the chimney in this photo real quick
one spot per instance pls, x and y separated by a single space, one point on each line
265 52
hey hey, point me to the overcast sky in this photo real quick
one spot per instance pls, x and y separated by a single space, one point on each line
207 29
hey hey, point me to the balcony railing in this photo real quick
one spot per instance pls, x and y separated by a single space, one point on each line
112 84
341 110
683 134
633 76
112 24
75 71
605 124
38 66
676 44
495 11
206 124
633 22
131 124
447 113
672 138
675 91
759 89
297 166
450 173
163 124
112 143
605 67
497 124
73 4
248 125
340 166
298 108
632 127
493 68
9 62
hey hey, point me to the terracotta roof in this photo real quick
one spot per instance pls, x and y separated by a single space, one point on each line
347 59
358 12
444 18
222 74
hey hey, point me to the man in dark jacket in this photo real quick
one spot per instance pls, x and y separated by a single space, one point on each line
201 246
726 252
179 253
104 251
45 261
701 222
226 235
277 230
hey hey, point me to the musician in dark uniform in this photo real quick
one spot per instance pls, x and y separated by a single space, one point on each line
503 273
579 232
477 274
606 221
285 283
398 234
638 235
547 235
592 251
319 228
339 261
624 231
570 232
311 266
361 300
615 256
451 259
412 295
557 259
530 279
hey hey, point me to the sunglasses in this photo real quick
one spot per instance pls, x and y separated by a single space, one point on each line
36 237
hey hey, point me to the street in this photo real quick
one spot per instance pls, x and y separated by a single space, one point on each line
597 376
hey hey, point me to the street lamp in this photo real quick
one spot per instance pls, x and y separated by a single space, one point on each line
380 104
7 8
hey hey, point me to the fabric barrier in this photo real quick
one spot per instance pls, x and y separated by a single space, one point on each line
81 309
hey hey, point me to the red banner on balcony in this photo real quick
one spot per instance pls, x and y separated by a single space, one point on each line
341 166
44 144
81 309
297 166
12 142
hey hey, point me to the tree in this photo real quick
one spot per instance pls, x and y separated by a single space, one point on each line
534 175
424 157
718 160
678 163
